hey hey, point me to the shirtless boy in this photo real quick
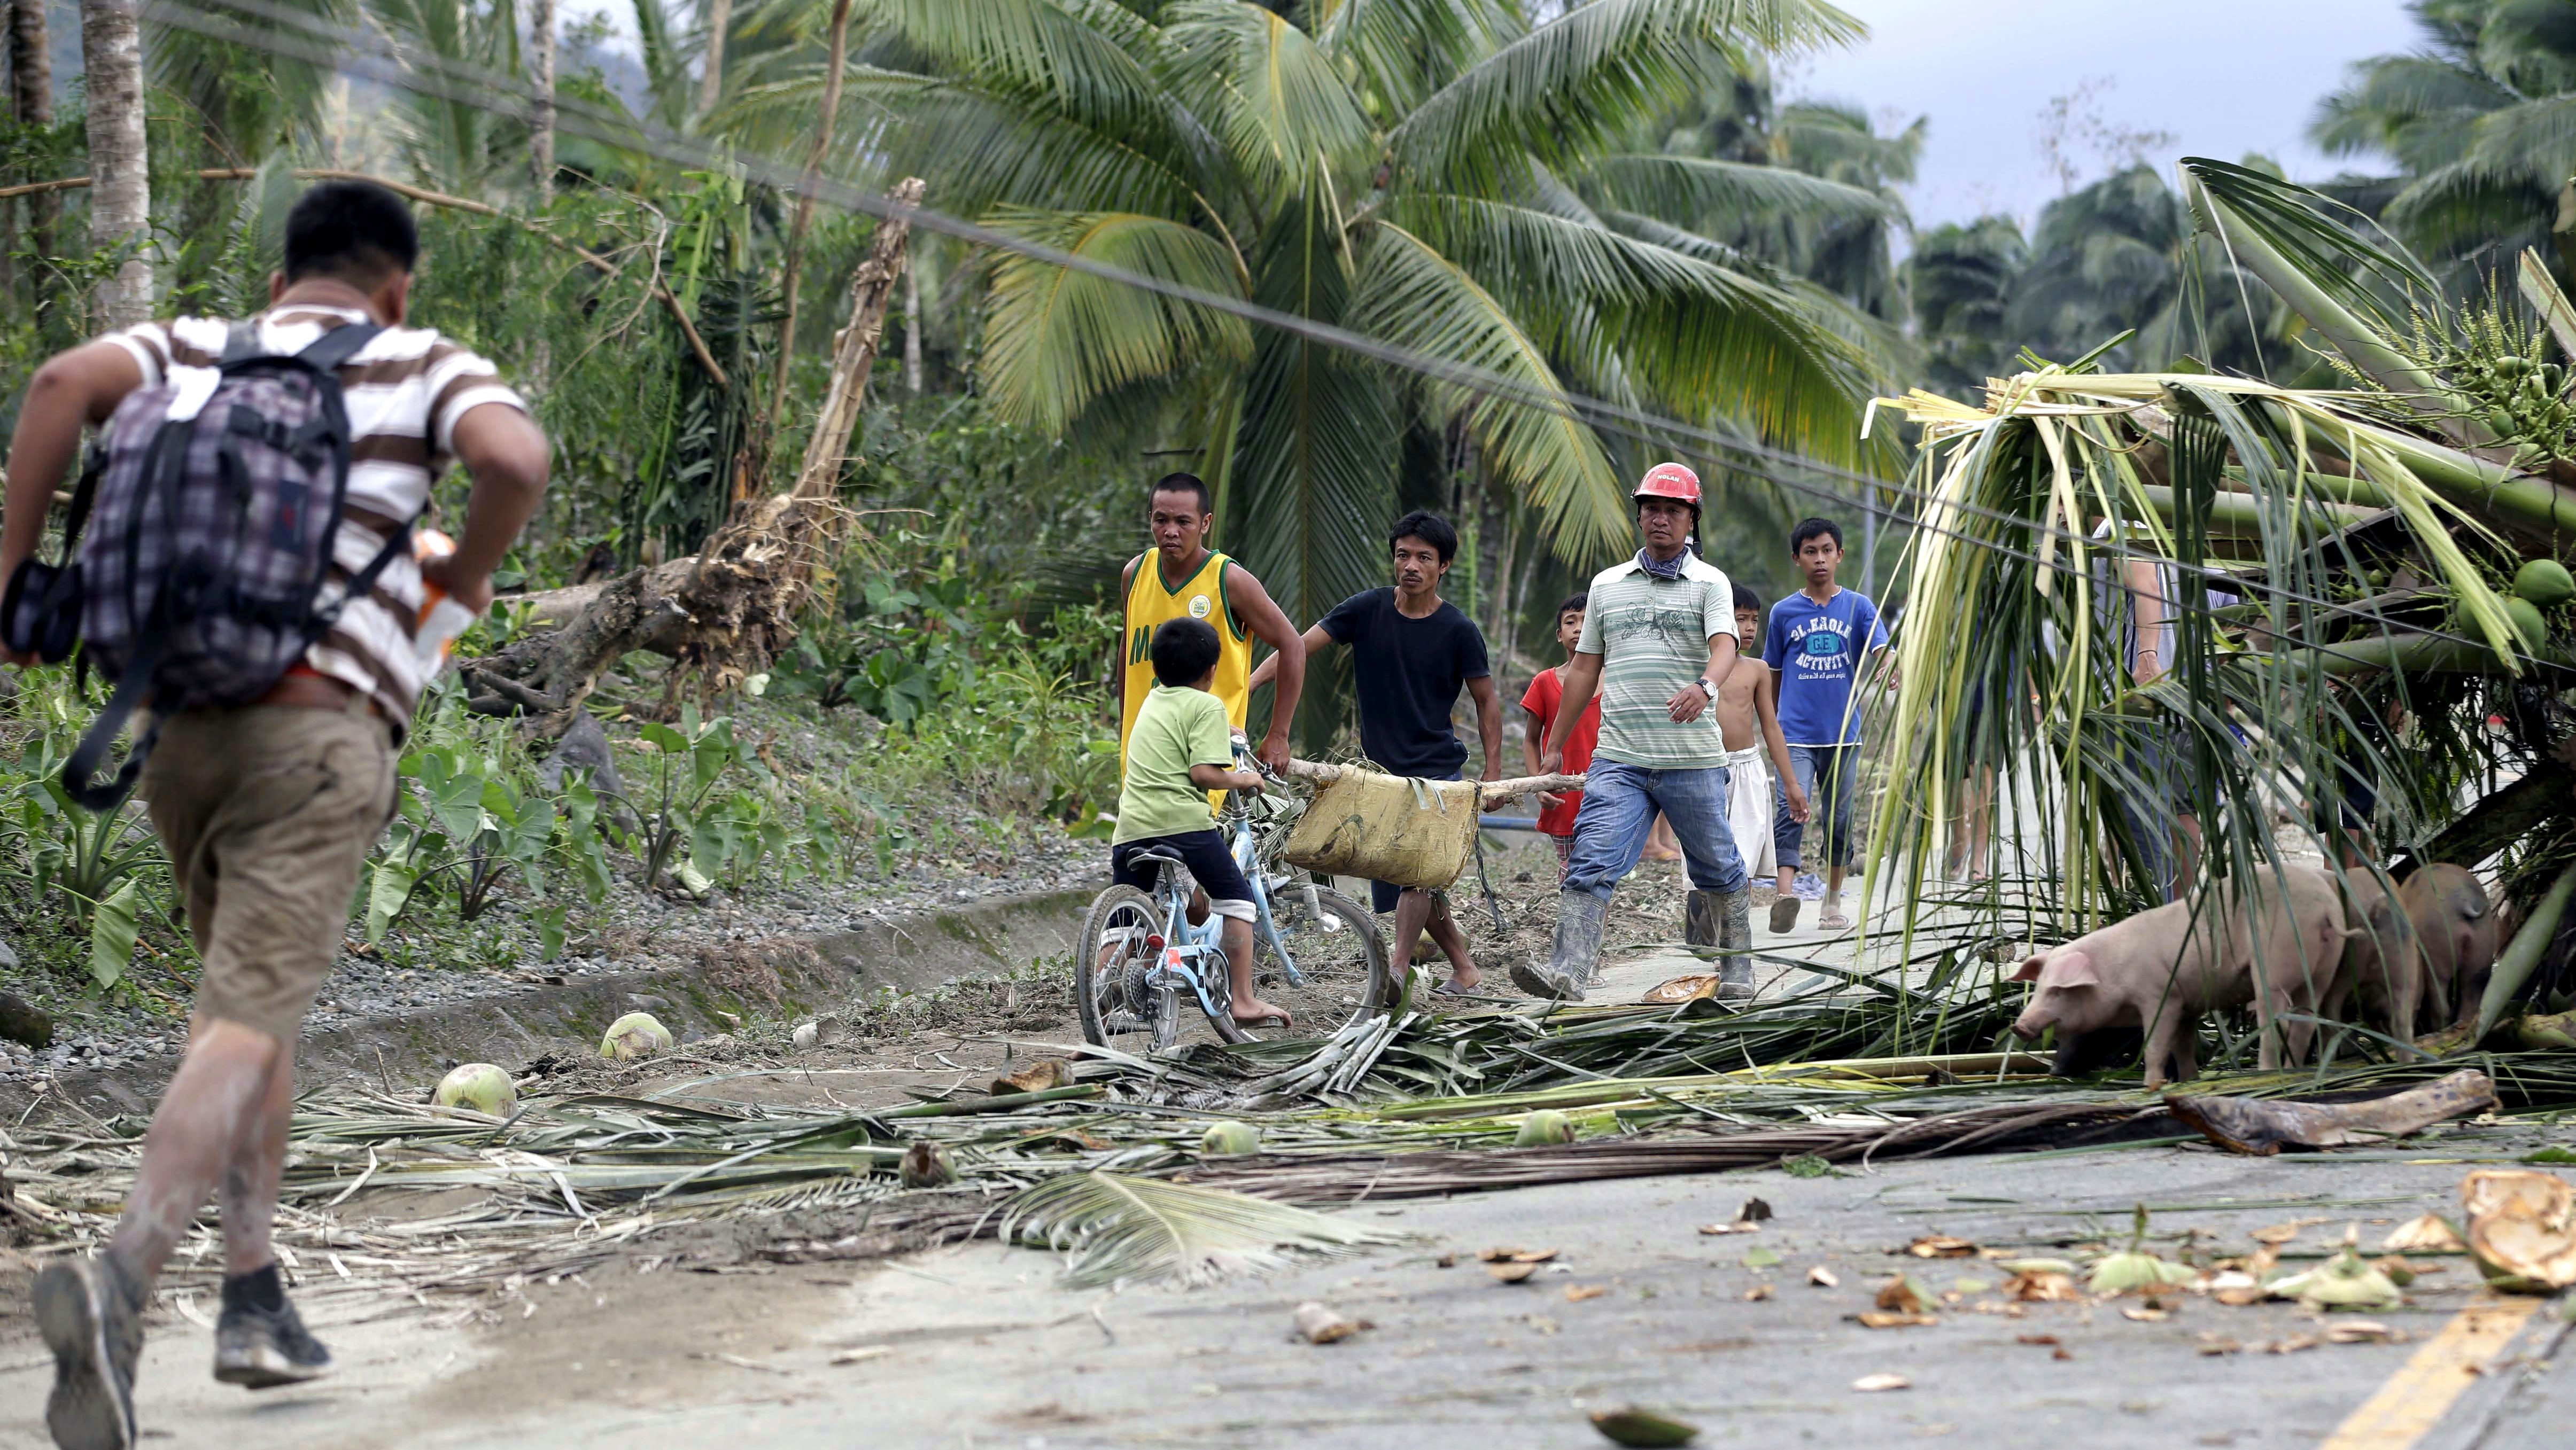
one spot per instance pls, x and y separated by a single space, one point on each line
1748 716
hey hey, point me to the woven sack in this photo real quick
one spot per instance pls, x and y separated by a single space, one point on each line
1392 828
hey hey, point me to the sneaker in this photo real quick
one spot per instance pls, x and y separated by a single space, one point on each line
260 1348
1808 886
92 1319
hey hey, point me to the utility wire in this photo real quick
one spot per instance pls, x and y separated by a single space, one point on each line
384 58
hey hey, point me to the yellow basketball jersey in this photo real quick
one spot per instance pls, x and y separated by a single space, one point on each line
1150 601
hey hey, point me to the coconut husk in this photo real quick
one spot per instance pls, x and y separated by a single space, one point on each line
2521 1227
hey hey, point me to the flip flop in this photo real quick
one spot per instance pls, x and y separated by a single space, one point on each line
1470 994
1784 914
1833 921
1275 1019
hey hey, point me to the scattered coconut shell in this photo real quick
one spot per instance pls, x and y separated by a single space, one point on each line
2345 1281
480 1086
2146 1313
1532 1256
2426 1233
1891 1319
1759 1293
925 1165
1873 1384
2133 1270
1941 1246
1577 1293
1632 1426
1738 1227
1037 1077
2522 1227
1230 1140
1903 1296
1511 1273
1543 1128
2359 1331
2041 1288
635 1035
1320 1325
2236 1288
1824 1278
1687 988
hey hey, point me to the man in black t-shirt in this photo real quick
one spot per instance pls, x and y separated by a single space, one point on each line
1410 652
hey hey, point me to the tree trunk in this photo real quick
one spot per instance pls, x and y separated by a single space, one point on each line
912 331
541 116
711 79
31 105
120 206
834 65
728 612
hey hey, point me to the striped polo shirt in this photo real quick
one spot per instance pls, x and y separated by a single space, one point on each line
405 389
1652 635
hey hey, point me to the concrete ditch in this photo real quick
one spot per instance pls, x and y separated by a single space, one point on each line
909 952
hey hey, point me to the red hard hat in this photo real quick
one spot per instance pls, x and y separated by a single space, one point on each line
1669 480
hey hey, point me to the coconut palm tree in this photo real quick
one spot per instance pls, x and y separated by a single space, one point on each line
1959 278
2481 123
1440 174
120 193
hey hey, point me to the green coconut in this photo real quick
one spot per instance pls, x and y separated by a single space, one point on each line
1544 1127
637 1034
1230 1140
2544 582
2527 622
925 1165
480 1086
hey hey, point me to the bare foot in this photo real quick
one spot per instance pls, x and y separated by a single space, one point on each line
1655 853
1253 1012
1464 978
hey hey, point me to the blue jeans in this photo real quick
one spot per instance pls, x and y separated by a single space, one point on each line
1619 805
1828 774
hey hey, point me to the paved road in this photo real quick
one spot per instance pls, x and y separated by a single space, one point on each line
982 1348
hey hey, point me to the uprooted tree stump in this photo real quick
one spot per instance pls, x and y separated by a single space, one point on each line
727 613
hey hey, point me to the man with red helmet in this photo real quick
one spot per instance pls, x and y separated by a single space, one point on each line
1658 640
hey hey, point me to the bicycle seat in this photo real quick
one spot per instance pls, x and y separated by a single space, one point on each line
1163 854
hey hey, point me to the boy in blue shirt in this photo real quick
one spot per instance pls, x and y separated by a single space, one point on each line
1818 639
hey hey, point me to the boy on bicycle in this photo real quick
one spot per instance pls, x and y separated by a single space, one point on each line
1180 748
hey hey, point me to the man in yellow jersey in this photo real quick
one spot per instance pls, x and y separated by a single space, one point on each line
1181 578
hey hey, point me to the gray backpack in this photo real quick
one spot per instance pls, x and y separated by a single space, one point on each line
211 504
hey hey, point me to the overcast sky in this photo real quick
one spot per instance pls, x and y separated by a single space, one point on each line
2224 77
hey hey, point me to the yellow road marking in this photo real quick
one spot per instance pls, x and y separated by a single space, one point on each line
2415 1398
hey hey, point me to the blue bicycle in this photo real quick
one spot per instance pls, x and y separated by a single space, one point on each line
1147 978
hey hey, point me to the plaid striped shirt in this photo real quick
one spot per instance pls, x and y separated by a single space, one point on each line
405 391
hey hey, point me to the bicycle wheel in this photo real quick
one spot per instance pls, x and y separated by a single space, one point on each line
1339 954
1110 960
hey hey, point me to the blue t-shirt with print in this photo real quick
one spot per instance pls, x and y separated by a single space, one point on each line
1817 649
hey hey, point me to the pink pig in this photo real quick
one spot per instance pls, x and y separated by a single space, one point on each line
2161 971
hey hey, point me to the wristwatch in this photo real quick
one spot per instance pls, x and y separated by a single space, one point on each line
1705 687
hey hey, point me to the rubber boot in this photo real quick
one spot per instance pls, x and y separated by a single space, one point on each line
1735 938
1578 945
1701 911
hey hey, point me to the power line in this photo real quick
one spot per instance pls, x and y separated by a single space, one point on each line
383 57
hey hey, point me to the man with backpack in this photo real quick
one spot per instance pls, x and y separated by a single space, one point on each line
264 614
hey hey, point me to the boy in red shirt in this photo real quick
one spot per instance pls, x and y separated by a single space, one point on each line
1556 816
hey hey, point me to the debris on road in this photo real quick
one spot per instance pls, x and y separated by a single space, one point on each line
1822 1277
2522 1228
1321 1325
480 1086
635 1035
2248 1125
1230 1140
1644 1428
1871 1384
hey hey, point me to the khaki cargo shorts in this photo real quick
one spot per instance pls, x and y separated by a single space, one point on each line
267 813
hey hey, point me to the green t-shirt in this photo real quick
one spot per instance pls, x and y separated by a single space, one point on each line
1175 729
